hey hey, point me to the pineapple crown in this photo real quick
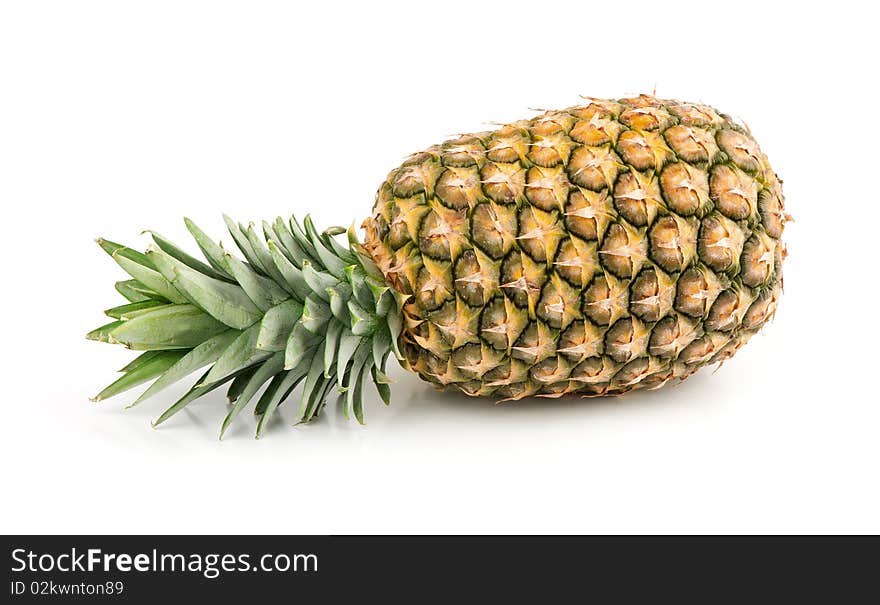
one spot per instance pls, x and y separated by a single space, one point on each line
300 308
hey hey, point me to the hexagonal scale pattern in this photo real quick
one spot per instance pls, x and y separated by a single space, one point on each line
615 245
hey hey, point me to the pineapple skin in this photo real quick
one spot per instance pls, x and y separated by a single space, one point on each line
615 245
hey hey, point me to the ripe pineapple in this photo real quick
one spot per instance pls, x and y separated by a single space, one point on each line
593 250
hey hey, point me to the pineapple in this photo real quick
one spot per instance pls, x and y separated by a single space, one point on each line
615 245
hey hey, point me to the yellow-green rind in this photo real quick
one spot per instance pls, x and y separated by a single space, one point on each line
615 245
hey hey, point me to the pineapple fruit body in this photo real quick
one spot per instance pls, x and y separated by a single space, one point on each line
593 250
615 245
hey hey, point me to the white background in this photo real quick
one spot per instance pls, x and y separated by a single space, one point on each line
119 116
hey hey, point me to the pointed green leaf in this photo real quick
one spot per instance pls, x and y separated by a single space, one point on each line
264 293
262 373
122 310
359 367
358 280
346 255
137 312
383 297
348 344
139 360
114 249
338 297
194 393
134 291
241 354
102 334
315 315
311 388
167 327
241 241
273 391
212 251
363 257
334 330
240 382
277 324
294 251
293 277
204 354
301 341
294 377
331 262
259 248
318 281
300 237
225 301
381 382
395 327
150 278
144 372
321 398
280 388
361 321
381 346
193 263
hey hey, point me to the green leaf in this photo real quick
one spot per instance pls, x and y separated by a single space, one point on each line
262 253
141 374
123 310
297 374
212 251
102 334
150 278
358 280
222 300
328 385
194 393
381 382
342 252
334 331
359 366
195 264
318 281
381 345
239 383
303 240
293 250
134 291
204 354
114 249
261 374
242 353
139 360
135 313
315 315
264 293
167 327
361 321
363 257
242 242
395 327
280 388
338 296
384 300
293 277
331 262
348 344
277 324
311 388
298 344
